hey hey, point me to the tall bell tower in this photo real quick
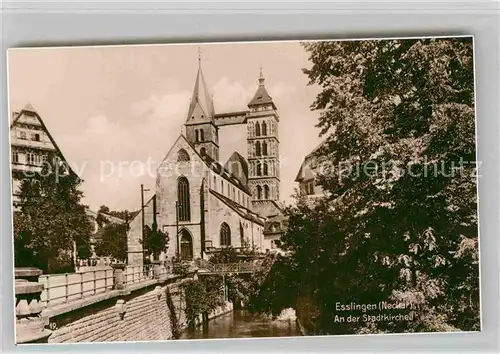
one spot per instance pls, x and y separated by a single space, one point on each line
263 151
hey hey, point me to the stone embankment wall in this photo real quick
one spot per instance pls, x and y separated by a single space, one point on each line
143 315
133 308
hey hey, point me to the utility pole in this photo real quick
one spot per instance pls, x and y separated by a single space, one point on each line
142 217
177 205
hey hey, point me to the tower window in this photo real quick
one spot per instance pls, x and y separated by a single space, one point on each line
182 156
222 187
257 129
257 149
266 172
225 235
202 134
197 133
259 169
36 137
259 192
264 148
266 191
215 183
183 199
264 128
203 151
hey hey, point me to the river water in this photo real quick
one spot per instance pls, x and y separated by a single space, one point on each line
242 324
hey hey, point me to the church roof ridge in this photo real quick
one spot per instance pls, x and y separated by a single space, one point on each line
244 166
218 168
239 209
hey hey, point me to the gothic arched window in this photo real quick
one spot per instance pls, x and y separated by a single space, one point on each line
202 135
225 235
259 192
197 135
264 148
264 128
266 171
259 169
182 156
183 200
257 148
266 191
257 129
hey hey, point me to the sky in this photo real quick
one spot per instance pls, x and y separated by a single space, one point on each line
115 111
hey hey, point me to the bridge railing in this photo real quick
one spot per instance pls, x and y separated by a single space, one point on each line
138 273
238 267
63 288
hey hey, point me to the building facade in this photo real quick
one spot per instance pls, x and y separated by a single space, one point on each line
308 172
31 147
205 205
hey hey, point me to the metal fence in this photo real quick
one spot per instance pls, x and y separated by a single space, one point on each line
63 288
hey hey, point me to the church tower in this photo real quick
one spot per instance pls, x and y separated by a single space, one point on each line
200 128
263 151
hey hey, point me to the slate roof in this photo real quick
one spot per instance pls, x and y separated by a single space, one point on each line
219 169
239 209
261 95
306 170
201 95
236 157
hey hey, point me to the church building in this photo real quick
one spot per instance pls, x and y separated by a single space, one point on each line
204 204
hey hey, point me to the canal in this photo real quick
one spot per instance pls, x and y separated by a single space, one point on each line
243 324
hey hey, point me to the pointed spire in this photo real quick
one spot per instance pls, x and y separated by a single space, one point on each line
29 107
261 95
201 96
261 77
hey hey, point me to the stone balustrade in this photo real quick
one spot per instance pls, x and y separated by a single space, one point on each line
30 325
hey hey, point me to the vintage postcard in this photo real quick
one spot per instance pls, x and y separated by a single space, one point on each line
230 190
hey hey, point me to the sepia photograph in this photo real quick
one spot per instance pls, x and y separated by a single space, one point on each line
244 190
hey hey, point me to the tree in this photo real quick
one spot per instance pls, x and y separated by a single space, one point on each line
225 255
51 221
399 221
155 240
113 241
